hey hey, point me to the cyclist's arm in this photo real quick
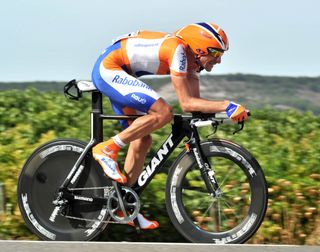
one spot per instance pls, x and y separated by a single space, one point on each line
191 103
194 84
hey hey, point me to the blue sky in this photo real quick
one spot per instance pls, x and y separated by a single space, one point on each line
61 39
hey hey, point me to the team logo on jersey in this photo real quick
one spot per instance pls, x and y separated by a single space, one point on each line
146 45
130 82
182 61
138 99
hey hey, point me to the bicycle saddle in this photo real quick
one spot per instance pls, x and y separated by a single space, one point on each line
86 86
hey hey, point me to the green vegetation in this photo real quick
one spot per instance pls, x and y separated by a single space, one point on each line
286 143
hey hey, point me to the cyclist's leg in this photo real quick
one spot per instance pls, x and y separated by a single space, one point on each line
134 162
138 148
135 158
159 114
125 90
138 135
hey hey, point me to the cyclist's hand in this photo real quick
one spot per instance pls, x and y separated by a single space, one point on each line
237 112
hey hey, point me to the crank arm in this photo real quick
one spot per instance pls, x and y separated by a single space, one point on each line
119 195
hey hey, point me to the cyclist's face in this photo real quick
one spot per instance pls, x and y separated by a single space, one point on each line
208 61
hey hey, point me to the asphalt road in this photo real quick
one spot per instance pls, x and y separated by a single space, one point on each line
40 246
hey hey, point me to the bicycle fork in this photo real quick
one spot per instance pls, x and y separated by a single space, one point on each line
207 173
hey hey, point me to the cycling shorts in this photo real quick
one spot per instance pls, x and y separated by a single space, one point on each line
127 94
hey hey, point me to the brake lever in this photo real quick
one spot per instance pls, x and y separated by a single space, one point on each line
240 128
241 123
214 127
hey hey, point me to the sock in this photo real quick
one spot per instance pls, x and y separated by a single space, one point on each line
119 142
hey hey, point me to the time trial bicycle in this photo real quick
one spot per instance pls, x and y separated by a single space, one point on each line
216 191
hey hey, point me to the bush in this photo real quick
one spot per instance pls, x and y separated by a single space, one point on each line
285 143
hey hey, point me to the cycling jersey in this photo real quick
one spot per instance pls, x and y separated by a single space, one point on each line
135 55
148 53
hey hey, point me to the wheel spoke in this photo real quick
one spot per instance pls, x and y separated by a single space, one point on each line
202 217
231 209
230 172
196 195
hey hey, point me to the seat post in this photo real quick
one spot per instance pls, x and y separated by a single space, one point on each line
96 119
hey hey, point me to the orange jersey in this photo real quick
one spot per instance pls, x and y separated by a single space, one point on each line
147 52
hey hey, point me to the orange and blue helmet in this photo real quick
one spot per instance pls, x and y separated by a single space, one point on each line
204 38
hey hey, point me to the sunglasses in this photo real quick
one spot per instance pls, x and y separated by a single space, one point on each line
214 52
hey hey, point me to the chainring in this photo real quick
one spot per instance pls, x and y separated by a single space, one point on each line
131 202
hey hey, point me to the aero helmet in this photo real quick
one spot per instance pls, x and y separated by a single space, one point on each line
201 37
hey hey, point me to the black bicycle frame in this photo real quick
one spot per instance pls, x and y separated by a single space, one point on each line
180 128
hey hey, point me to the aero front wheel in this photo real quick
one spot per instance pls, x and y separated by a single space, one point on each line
232 217
43 174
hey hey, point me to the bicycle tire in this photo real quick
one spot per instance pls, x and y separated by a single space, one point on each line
39 180
232 218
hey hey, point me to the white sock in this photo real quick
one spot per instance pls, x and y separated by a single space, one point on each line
118 141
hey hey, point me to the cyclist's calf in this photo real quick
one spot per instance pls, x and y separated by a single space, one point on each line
142 144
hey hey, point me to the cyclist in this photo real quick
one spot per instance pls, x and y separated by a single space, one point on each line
182 55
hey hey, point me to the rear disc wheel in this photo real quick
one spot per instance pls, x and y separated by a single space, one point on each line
42 175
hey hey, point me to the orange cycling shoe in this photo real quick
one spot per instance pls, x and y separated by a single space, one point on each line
144 223
106 154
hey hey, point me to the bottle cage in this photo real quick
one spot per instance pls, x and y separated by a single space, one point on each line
71 90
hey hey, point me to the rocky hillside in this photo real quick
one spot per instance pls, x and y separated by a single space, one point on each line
254 91
257 91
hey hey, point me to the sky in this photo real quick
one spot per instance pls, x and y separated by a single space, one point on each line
59 40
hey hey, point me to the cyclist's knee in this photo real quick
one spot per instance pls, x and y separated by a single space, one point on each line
165 116
163 112
166 113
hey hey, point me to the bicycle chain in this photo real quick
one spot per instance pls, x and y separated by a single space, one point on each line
91 188
110 188
84 219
